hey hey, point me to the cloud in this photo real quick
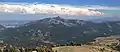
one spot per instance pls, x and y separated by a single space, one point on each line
99 7
47 9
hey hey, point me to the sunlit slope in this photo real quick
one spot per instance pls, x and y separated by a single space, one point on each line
84 48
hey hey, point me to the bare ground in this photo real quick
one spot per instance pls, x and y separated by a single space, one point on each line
84 48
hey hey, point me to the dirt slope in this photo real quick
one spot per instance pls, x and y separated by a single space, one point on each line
84 48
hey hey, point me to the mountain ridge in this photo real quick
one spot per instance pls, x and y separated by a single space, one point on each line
59 31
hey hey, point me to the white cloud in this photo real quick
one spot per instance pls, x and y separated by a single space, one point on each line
47 9
94 7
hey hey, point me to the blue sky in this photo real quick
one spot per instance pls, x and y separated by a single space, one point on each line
109 8
72 2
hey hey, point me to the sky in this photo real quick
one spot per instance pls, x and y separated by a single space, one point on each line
76 9
73 2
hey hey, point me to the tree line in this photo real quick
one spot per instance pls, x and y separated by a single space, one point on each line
42 48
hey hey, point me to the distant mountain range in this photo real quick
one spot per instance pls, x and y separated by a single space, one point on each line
2 28
106 19
13 23
58 30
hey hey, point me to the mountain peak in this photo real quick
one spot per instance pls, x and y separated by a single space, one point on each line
57 18
61 21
